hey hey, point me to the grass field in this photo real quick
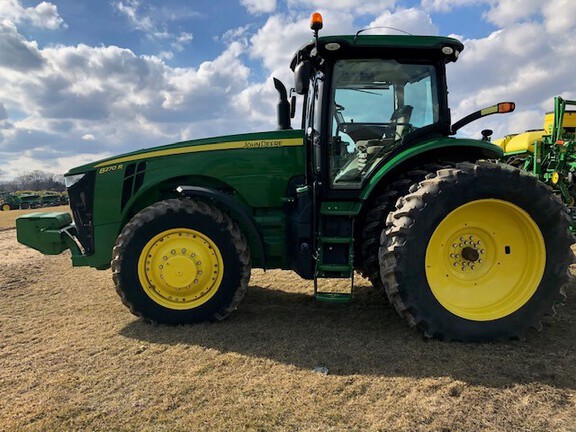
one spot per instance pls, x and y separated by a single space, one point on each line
73 358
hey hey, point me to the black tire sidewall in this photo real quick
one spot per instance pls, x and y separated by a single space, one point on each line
507 186
204 224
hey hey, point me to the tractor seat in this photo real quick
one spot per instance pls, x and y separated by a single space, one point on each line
401 118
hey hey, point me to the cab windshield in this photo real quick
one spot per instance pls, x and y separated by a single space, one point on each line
374 105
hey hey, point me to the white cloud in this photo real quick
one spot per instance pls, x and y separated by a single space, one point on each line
559 15
128 101
259 6
414 21
352 7
44 15
505 13
60 98
448 5
16 53
524 63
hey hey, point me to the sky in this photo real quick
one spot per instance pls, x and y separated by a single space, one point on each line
84 80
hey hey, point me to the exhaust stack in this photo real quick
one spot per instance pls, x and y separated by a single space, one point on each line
283 106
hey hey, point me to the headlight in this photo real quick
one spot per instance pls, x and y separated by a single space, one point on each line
73 179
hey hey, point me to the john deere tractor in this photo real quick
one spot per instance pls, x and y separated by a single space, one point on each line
9 201
371 179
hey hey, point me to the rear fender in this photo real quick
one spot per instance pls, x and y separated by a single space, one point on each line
442 149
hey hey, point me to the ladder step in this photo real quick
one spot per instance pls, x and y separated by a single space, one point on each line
339 240
330 297
336 268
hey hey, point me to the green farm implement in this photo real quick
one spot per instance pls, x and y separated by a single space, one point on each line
370 180
549 153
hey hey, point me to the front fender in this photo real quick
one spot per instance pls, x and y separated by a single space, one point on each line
448 149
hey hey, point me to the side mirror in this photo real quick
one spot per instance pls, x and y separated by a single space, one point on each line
302 75
499 108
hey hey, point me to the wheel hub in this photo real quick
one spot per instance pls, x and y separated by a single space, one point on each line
179 271
467 252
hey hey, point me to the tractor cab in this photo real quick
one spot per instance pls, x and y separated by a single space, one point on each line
367 97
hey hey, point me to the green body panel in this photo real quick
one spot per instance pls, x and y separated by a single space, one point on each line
255 168
423 147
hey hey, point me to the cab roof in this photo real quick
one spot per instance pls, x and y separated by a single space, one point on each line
384 46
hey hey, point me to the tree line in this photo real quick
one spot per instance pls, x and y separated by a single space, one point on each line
36 180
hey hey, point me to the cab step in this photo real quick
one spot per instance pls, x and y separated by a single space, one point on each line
330 297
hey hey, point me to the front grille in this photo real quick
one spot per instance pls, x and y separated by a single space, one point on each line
133 180
81 196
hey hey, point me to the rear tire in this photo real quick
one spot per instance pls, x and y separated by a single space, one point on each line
478 253
6 207
375 221
180 262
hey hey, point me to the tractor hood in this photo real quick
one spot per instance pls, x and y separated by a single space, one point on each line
285 138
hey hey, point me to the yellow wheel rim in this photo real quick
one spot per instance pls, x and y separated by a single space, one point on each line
180 268
6 207
485 260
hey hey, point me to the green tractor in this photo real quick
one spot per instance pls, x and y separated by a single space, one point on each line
371 180
9 201
29 200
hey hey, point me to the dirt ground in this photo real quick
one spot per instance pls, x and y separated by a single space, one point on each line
73 358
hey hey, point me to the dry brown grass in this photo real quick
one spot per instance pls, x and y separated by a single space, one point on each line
73 358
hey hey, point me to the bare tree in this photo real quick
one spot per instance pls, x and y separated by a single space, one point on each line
36 180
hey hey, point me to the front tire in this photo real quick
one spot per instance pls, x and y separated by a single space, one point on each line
180 262
478 253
